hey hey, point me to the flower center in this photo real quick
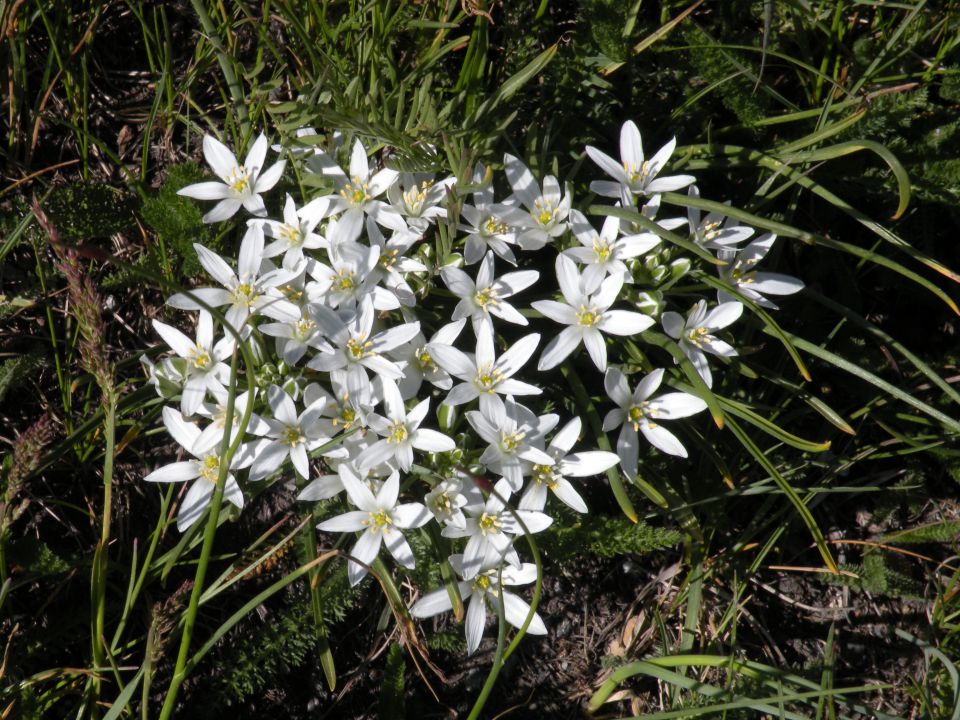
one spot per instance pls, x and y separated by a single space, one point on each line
414 198
345 280
493 226
357 349
637 175
588 316
291 436
291 234
545 475
602 250
398 432
379 520
303 329
697 336
511 441
486 296
347 415
481 584
245 294
489 524
425 360
388 258
200 358
356 193
710 230
643 413
239 179
543 211
488 378
210 468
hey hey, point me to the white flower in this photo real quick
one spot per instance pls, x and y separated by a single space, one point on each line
418 364
349 402
486 230
552 477
293 339
483 591
419 201
290 435
546 216
490 530
514 434
242 184
296 233
711 231
485 374
634 175
205 369
754 285
246 291
401 432
637 411
204 471
695 334
355 348
603 253
447 499
487 296
391 262
347 279
357 193
586 315
379 520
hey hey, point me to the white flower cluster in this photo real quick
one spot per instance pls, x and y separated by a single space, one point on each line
324 298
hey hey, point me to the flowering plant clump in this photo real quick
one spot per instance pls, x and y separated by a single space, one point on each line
369 387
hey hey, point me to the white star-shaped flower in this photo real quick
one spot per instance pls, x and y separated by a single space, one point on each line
487 296
587 316
482 592
242 184
638 411
695 334
401 432
755 285
635 175
485 374
379 520
553 477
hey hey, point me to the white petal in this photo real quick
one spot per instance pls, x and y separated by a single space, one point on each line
590 462
223 210
218 156
175 472
410 515
365 551
631 147
560 347
663 439
610 166
624 322
398 547
256 155
194 504
433 603
515 612
568 496
475 621
596 346
723 315
206 191
352 521
556 311
616 386
677 405
432 441
672 324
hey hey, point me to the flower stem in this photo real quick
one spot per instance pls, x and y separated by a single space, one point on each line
226 453
98 576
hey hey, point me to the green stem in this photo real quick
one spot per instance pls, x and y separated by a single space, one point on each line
98 580
226 453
